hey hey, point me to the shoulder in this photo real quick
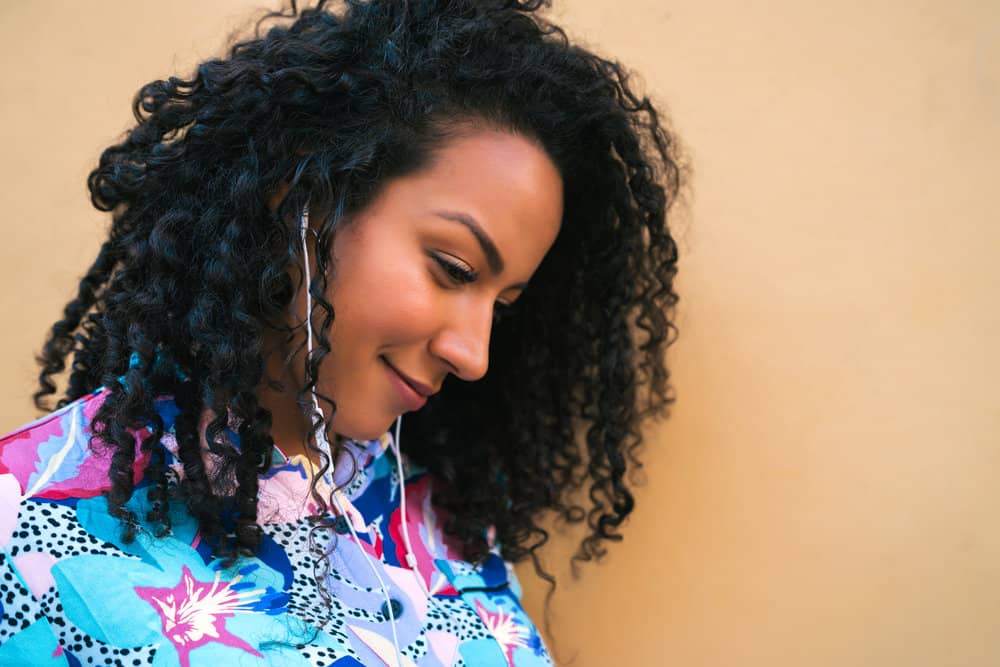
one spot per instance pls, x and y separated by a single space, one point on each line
52 458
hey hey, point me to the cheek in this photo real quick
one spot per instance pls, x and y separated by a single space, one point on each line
385 304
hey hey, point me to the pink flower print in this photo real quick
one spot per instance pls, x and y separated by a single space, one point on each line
505 629
52 459
428 544
193 612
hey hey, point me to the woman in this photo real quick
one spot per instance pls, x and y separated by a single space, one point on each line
438 208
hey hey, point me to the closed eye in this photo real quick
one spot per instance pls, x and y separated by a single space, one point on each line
460 275
457 274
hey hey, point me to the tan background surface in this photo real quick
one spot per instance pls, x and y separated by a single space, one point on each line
825 492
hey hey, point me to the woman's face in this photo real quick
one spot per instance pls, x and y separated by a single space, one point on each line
419 272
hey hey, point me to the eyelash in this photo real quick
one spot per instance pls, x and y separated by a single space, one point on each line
459 275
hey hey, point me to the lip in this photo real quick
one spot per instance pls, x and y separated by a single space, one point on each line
414 394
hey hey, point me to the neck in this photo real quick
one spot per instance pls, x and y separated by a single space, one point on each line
277 393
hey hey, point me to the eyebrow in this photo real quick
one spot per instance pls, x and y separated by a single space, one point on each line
493 257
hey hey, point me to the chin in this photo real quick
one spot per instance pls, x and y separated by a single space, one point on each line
369 429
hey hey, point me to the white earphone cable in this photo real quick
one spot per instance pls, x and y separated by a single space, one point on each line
324 445
378 577
321 440
411 560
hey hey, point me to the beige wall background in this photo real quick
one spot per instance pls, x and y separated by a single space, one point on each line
825 492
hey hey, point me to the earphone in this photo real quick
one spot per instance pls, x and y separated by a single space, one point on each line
324 445
321 440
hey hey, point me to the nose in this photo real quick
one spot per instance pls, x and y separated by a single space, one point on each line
463 342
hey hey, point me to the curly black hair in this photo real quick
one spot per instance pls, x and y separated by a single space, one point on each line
325 105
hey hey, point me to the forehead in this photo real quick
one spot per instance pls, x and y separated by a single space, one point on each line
505 182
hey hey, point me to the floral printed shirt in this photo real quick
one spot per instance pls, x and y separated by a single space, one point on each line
73 593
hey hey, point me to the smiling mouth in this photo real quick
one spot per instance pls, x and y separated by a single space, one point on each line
417 387
411 396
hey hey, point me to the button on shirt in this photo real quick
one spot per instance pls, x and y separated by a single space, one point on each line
74 593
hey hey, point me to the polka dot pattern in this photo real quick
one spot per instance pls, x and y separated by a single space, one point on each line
352 591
